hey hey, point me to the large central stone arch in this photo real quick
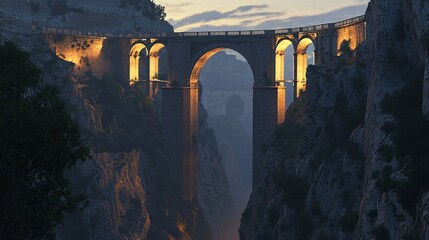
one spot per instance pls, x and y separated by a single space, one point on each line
201 57
198 61
268 106
264 52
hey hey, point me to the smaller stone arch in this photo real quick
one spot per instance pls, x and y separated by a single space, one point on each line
301 63
135 53
303 44
154 60
281 47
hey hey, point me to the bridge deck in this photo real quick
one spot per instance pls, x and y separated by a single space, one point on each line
314 28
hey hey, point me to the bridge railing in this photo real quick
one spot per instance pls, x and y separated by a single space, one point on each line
320 27
350 21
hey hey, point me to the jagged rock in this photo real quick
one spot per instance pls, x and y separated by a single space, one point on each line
348 178
128 195
214 193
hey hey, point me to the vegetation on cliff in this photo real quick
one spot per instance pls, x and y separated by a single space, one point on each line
39 141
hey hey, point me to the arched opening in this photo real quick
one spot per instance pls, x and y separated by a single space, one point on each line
225 81
285 67
158 62
304 57
138 58
158 68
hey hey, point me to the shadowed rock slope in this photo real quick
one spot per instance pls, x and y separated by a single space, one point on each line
126 183
352 158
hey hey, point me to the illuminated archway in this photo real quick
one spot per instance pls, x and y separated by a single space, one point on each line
154 59
198 66
301 64
280 60
135 53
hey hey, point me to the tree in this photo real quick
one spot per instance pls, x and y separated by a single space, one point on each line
155 11
38 142
159 11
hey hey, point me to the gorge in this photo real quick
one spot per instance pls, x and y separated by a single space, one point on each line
347 160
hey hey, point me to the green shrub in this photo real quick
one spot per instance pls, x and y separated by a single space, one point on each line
128 119
381 233
373 214
354 152
386 183
60 7
348 221
294 189
273 216
304 226
386 152
34 7
399 29
155 11
375 174
264 236
410 136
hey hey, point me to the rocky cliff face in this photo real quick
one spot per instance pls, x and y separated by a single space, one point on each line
350 162
125 182
214 193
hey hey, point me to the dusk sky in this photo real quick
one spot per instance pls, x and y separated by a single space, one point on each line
197 15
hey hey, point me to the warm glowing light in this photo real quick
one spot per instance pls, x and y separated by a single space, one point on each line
200 64
134 61
280 59
82 51
301 65
154 60
354 34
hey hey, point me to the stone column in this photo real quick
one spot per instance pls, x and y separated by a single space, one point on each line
300 68
268 112
280 66
424 39
153 74
301 72
180 131
426 87
295 75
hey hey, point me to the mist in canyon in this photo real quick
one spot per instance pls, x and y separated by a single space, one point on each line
226 82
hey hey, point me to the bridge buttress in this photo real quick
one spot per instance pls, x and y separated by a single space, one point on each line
180 131
269 106
425 106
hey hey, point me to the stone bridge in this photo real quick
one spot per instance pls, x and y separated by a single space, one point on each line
119 56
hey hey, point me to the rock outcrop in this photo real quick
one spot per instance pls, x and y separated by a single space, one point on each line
351 159
125 181
214 193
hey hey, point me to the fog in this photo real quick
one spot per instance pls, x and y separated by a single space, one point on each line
226 80
227 96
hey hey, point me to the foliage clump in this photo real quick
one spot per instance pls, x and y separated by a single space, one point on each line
409 132
60 7
149 8
128 118
39 141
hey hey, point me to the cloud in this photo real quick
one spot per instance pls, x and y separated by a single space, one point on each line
215 21
177 6
240 12
247 8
